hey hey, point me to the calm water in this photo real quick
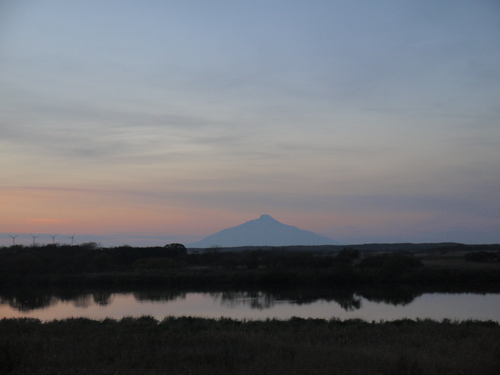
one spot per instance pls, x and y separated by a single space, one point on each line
368 304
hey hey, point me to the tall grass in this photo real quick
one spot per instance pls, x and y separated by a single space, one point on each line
205 346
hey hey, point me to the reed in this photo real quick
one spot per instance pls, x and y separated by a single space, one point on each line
206 346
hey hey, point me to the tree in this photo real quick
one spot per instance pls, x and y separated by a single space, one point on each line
175 250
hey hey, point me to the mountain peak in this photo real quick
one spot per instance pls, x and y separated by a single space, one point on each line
266 217
264 231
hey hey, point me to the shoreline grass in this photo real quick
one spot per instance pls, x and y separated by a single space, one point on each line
190 345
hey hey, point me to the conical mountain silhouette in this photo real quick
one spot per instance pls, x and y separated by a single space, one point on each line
264 231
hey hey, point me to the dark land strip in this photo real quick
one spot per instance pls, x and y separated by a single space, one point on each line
316 266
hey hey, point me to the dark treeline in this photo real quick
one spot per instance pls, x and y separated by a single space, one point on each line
86 258
172 264
407 246
206 346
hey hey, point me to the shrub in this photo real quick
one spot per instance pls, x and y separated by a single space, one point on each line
481 256
155 263
102 262
28 263
175 250
347 255
391 264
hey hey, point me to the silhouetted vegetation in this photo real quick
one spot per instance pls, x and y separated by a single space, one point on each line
482 256
391 265
173 265
156 264
347 255
205 346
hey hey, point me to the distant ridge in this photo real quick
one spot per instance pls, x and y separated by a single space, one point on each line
264 231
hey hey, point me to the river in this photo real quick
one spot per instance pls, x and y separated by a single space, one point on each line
366 304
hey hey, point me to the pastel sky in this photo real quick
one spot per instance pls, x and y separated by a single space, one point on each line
147 121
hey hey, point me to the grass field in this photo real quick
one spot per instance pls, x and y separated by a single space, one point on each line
203 346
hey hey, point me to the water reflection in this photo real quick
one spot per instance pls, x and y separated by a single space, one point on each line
26 301
349 299
159 295
82 301
391 296
102 298
254 299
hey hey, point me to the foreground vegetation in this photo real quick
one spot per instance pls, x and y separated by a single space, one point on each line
172 265
204 346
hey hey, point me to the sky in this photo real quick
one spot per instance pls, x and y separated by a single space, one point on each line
148 122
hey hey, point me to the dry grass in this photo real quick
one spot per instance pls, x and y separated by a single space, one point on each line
204 346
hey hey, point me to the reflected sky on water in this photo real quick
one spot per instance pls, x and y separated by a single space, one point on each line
252 305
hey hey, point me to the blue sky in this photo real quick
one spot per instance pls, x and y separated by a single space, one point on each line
364 121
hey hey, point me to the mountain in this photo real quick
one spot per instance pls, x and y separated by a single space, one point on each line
264 231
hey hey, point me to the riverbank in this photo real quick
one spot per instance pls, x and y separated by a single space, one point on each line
206 346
